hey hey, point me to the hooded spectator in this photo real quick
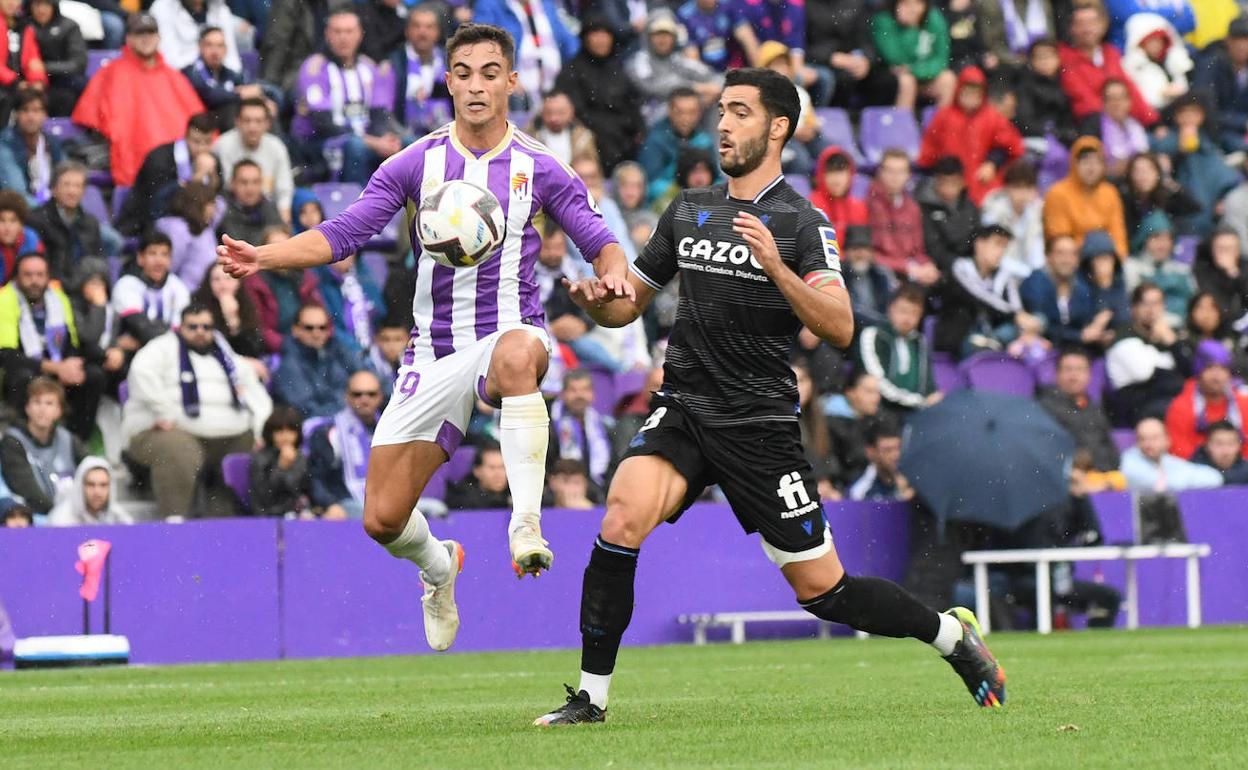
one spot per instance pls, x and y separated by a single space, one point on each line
1101 266
661 66
973 131
1206 398
833 191
1156 59
91 500
1084 200
1155 262
606 99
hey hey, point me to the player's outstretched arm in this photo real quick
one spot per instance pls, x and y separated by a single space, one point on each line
605 306
241 259
819 299
611 267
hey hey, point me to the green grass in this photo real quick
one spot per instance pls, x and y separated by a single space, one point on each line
1162 698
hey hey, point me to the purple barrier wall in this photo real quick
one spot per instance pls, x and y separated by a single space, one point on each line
260 589
182 593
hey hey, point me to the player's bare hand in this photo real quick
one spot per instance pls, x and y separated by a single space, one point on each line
238 258
617 286
760 240
587 293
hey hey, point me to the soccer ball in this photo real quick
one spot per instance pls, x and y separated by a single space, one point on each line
460 224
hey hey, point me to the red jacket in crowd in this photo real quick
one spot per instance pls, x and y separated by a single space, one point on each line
845 210
25 63
972 137
1186 435
267 305
137 107
896 229
1083 82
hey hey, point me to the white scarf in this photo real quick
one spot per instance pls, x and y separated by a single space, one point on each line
1019 34
40 170
537 65
34 345
421 77
348 91
351 441
357 308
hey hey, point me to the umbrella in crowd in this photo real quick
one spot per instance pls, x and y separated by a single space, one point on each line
988 458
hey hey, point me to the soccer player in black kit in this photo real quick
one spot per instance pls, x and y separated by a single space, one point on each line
756 263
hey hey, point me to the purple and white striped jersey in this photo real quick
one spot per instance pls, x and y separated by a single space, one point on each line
454 307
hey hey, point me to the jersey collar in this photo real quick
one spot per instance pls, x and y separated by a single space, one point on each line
761 192
493 153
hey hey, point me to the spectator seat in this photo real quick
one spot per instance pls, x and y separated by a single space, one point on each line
945 373
998 373
837 130
885 127
236 471
96 59
460 464
336 196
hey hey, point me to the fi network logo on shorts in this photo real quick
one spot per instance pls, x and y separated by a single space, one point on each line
793 492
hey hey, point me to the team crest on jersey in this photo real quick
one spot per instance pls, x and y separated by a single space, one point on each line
702 217
765 219
520 185
831 251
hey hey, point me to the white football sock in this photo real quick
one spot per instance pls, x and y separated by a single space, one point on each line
524 433
950 634
417 544
596 685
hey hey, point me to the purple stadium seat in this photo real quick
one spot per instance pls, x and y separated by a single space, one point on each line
946 374
520 117
627 385
859 187
93 203
1045 370
389 235
336 196
311 425
119 199
885 127
436 488
1053 166
999 373
799 183
460 464
97 59
1098 382
123 392
1185 248
236 470
1124 438
837 130
251 63
929 112
63 128
604 390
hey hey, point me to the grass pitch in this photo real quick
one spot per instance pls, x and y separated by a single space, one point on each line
1162 698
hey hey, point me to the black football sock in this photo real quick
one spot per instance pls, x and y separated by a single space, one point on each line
606 604
877 606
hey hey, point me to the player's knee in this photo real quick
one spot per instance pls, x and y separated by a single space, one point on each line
515 369
625 523
380 528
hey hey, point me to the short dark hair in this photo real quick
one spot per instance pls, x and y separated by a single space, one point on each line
949 165
838 161
1066 353
681 92
18 511
254 101
485 446
1021 173
471 34
154 237
569 467
909 292
1044 42
28 96
1223 426
283 417
572 375
881 428
208 30
856 376
245 163
12 200
775 91
203 123
195 307
1137 296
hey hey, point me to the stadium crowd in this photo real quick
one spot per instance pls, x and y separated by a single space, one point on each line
1052 186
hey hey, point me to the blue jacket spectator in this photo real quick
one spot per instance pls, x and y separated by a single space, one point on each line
537 64
1198 163
315 368
26 139
353 300
680 130
1221 75
711 32
1101 268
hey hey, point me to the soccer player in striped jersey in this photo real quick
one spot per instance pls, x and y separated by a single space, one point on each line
477 331
756 263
